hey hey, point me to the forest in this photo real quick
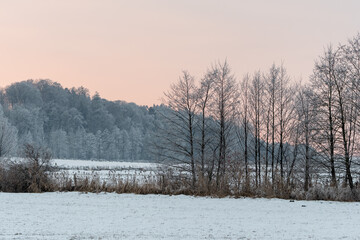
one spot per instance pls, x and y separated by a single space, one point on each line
265 134
72 124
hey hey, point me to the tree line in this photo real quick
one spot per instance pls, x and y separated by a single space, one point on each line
73 124
267 131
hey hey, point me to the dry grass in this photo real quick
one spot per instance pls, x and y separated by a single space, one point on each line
15 178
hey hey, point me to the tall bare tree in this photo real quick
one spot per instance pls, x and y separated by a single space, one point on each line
179 138
204 95
323 84
285 109
346 112
256 101
224 111
272 80
306 119
243 131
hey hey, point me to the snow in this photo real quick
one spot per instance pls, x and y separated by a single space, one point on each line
106 170
79 164
127 216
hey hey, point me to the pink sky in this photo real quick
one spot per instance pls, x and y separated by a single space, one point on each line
133 50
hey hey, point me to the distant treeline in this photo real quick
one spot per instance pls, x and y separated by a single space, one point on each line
72 124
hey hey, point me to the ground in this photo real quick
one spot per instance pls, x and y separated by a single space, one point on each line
127 216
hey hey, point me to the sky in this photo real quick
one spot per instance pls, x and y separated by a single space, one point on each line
133 50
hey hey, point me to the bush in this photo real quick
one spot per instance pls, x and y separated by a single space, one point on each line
14 178
28 175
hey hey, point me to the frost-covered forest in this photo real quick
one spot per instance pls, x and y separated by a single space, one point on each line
71 123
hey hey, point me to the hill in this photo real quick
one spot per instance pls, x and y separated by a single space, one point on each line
73 124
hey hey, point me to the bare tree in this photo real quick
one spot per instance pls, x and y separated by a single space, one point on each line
224 111
285 109
334 82
267 119
306 119
203 100
347 112
324 96
272 80
256 102
179 138
38 165
350 56
243 131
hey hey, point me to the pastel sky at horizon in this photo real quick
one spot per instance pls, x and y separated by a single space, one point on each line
133 50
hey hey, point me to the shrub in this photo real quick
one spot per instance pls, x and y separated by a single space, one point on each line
28 175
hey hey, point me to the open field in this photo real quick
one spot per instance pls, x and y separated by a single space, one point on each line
102 165
108 171
127 216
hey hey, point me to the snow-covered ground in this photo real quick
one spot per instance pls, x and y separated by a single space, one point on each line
106 170
94 165
128 216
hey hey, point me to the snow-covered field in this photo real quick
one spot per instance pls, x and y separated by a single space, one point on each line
128 216
105 170
94 165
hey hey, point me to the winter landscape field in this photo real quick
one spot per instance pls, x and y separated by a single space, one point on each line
77 215
155 119
127 216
